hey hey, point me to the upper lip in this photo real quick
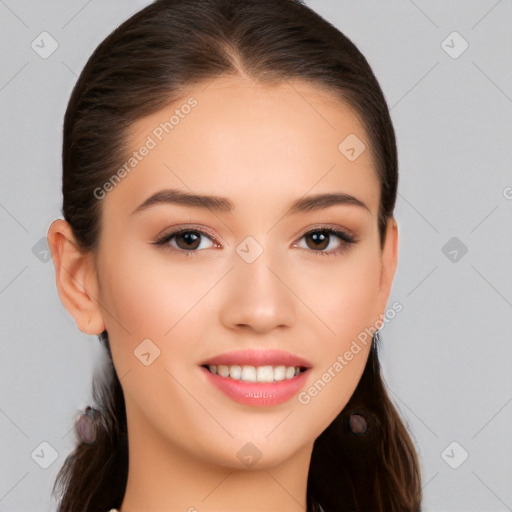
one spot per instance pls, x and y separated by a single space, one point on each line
250 357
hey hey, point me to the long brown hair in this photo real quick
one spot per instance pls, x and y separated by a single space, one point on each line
151 60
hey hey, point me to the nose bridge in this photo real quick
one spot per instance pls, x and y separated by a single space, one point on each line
256 295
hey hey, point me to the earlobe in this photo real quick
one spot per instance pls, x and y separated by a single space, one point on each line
76 278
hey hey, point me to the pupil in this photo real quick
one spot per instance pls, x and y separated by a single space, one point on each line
319 237
189 238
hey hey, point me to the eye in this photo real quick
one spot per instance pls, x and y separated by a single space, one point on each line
320 239
188 241
185 240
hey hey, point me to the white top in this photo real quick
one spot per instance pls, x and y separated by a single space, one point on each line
115 509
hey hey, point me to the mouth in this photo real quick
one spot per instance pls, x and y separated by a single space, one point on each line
249 373
256 377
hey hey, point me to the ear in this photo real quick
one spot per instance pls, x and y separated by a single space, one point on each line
389 261
76 278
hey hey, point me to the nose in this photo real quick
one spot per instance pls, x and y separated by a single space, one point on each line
257 296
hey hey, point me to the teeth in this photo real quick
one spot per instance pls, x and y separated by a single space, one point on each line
279 372
248 373
222 370
264 374
235 371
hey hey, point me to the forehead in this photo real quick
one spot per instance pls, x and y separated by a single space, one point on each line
289 136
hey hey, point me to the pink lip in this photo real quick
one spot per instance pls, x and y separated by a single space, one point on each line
258 358
257 393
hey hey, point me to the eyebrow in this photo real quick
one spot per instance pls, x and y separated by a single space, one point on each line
224 205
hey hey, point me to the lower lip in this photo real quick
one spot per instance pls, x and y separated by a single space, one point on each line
257 393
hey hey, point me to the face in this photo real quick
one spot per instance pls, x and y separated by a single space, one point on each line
260 279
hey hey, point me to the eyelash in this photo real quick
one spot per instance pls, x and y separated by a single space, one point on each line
345 238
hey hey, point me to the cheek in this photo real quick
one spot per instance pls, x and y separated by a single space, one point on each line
158 302
161 300
343 296
344 299
331 387
150 298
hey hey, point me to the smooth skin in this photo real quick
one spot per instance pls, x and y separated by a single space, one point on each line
262 147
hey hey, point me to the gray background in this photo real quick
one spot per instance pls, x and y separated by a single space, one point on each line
446 356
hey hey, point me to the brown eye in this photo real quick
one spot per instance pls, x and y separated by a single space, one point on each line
188 241
319 240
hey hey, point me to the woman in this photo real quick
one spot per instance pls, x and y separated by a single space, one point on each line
229 179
